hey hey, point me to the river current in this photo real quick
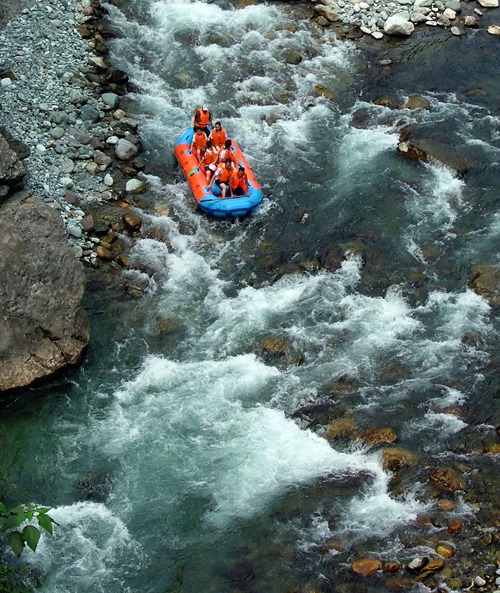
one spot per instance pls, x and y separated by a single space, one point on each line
191 451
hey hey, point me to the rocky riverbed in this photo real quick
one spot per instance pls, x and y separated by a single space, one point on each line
66 148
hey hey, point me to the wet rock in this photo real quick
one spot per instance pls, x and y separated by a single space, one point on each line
104 253
391 566
132 221
341 428
275 345
416 102
433 565
135 186
494 29
395 458
446 505
366 566
95 487
447 479
412 152
320 90
454 526
379 435
471 20
417 563
445 550
168 324
486 283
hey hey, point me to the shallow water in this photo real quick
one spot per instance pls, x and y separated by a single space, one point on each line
195 457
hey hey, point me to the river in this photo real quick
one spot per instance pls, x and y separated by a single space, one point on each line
208 442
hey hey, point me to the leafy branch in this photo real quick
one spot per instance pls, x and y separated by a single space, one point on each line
13 519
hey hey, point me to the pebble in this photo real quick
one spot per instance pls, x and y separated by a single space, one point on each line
41 105
396 17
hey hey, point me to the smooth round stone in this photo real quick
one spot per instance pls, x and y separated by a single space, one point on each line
75 231
5 82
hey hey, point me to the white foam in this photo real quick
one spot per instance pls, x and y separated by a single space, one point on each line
90 550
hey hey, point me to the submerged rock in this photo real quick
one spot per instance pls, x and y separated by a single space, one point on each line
366 566
447 478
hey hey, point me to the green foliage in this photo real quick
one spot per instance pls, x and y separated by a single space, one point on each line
17 580
13 519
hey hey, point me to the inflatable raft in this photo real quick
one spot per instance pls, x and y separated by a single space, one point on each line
208 198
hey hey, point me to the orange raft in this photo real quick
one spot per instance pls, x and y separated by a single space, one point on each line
209 198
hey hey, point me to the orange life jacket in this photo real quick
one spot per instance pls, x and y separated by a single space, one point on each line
200 141
218 138
237 181
225 153
210 156
201 118
224 174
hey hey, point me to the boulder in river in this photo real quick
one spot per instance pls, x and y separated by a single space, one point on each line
44 328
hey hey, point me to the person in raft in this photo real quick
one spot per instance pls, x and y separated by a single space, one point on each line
238 184
226 153
199 144
210 159
223 175
202 119
218 135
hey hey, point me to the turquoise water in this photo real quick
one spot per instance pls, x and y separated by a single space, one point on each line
194 456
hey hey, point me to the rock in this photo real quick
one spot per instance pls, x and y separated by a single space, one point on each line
494 29
445 550
412 152
102 159
125 150
135 186
486 283
379 436
87 223
395 458
391 566
471 21
44 327
398 25
417 563
111 100
446 505
417 102
327 12
168 324
458 31
454 526
447 478
276 346
132 221
89 113
104 253
74 231
12 169
99 63
366 566
433 565
320 90
488 3
341 428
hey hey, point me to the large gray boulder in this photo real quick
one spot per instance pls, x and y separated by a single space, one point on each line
43 327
